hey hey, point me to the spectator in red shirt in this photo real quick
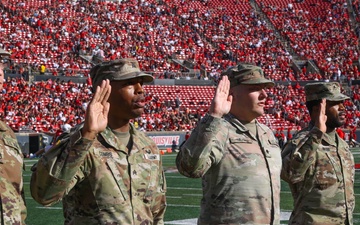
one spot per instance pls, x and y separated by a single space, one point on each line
340 133
352 136
187 135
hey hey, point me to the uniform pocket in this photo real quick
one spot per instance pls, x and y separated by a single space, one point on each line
145 170
236 147
337 169
327 172
118 178
106 182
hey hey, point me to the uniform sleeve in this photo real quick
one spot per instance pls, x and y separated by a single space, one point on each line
12 199
58 170
299 154
203 148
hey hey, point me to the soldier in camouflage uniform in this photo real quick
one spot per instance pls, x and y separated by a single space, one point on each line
318 164
13 209
237 157
105 171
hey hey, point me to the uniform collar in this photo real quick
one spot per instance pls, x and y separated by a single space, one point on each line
237 124
110 138
233 120
329 140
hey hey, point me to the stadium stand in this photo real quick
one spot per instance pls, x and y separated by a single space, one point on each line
294 42
161 34
52 106
319 31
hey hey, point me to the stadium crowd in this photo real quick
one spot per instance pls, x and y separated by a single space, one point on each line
292 41
320 31
54 106
205 32
49 37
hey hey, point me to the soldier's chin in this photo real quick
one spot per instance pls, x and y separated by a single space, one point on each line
340 123
138 112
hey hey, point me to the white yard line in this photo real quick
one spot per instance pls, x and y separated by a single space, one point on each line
284 216
183 188
43 207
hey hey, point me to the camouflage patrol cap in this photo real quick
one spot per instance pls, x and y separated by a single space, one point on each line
328 90
120 69
246 74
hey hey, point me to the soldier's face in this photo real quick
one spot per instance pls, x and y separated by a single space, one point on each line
335 112
248 101
127 99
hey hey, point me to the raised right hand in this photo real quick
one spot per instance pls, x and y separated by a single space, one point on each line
221 103
96 116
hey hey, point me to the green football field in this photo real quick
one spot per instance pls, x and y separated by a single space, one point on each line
183 197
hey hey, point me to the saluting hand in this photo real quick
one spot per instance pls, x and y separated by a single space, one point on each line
320 116
96 117
221 102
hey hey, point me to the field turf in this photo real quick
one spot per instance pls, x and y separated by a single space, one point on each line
183 197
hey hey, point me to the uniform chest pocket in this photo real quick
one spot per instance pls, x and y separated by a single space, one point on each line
239 147
336 167
327 172
118 178
145 171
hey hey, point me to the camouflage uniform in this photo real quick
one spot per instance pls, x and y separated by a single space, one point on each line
320 169
320 172
101 181
13 209
240 171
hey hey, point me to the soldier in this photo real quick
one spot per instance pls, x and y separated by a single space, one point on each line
317 163
13 209
237 157
104 170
